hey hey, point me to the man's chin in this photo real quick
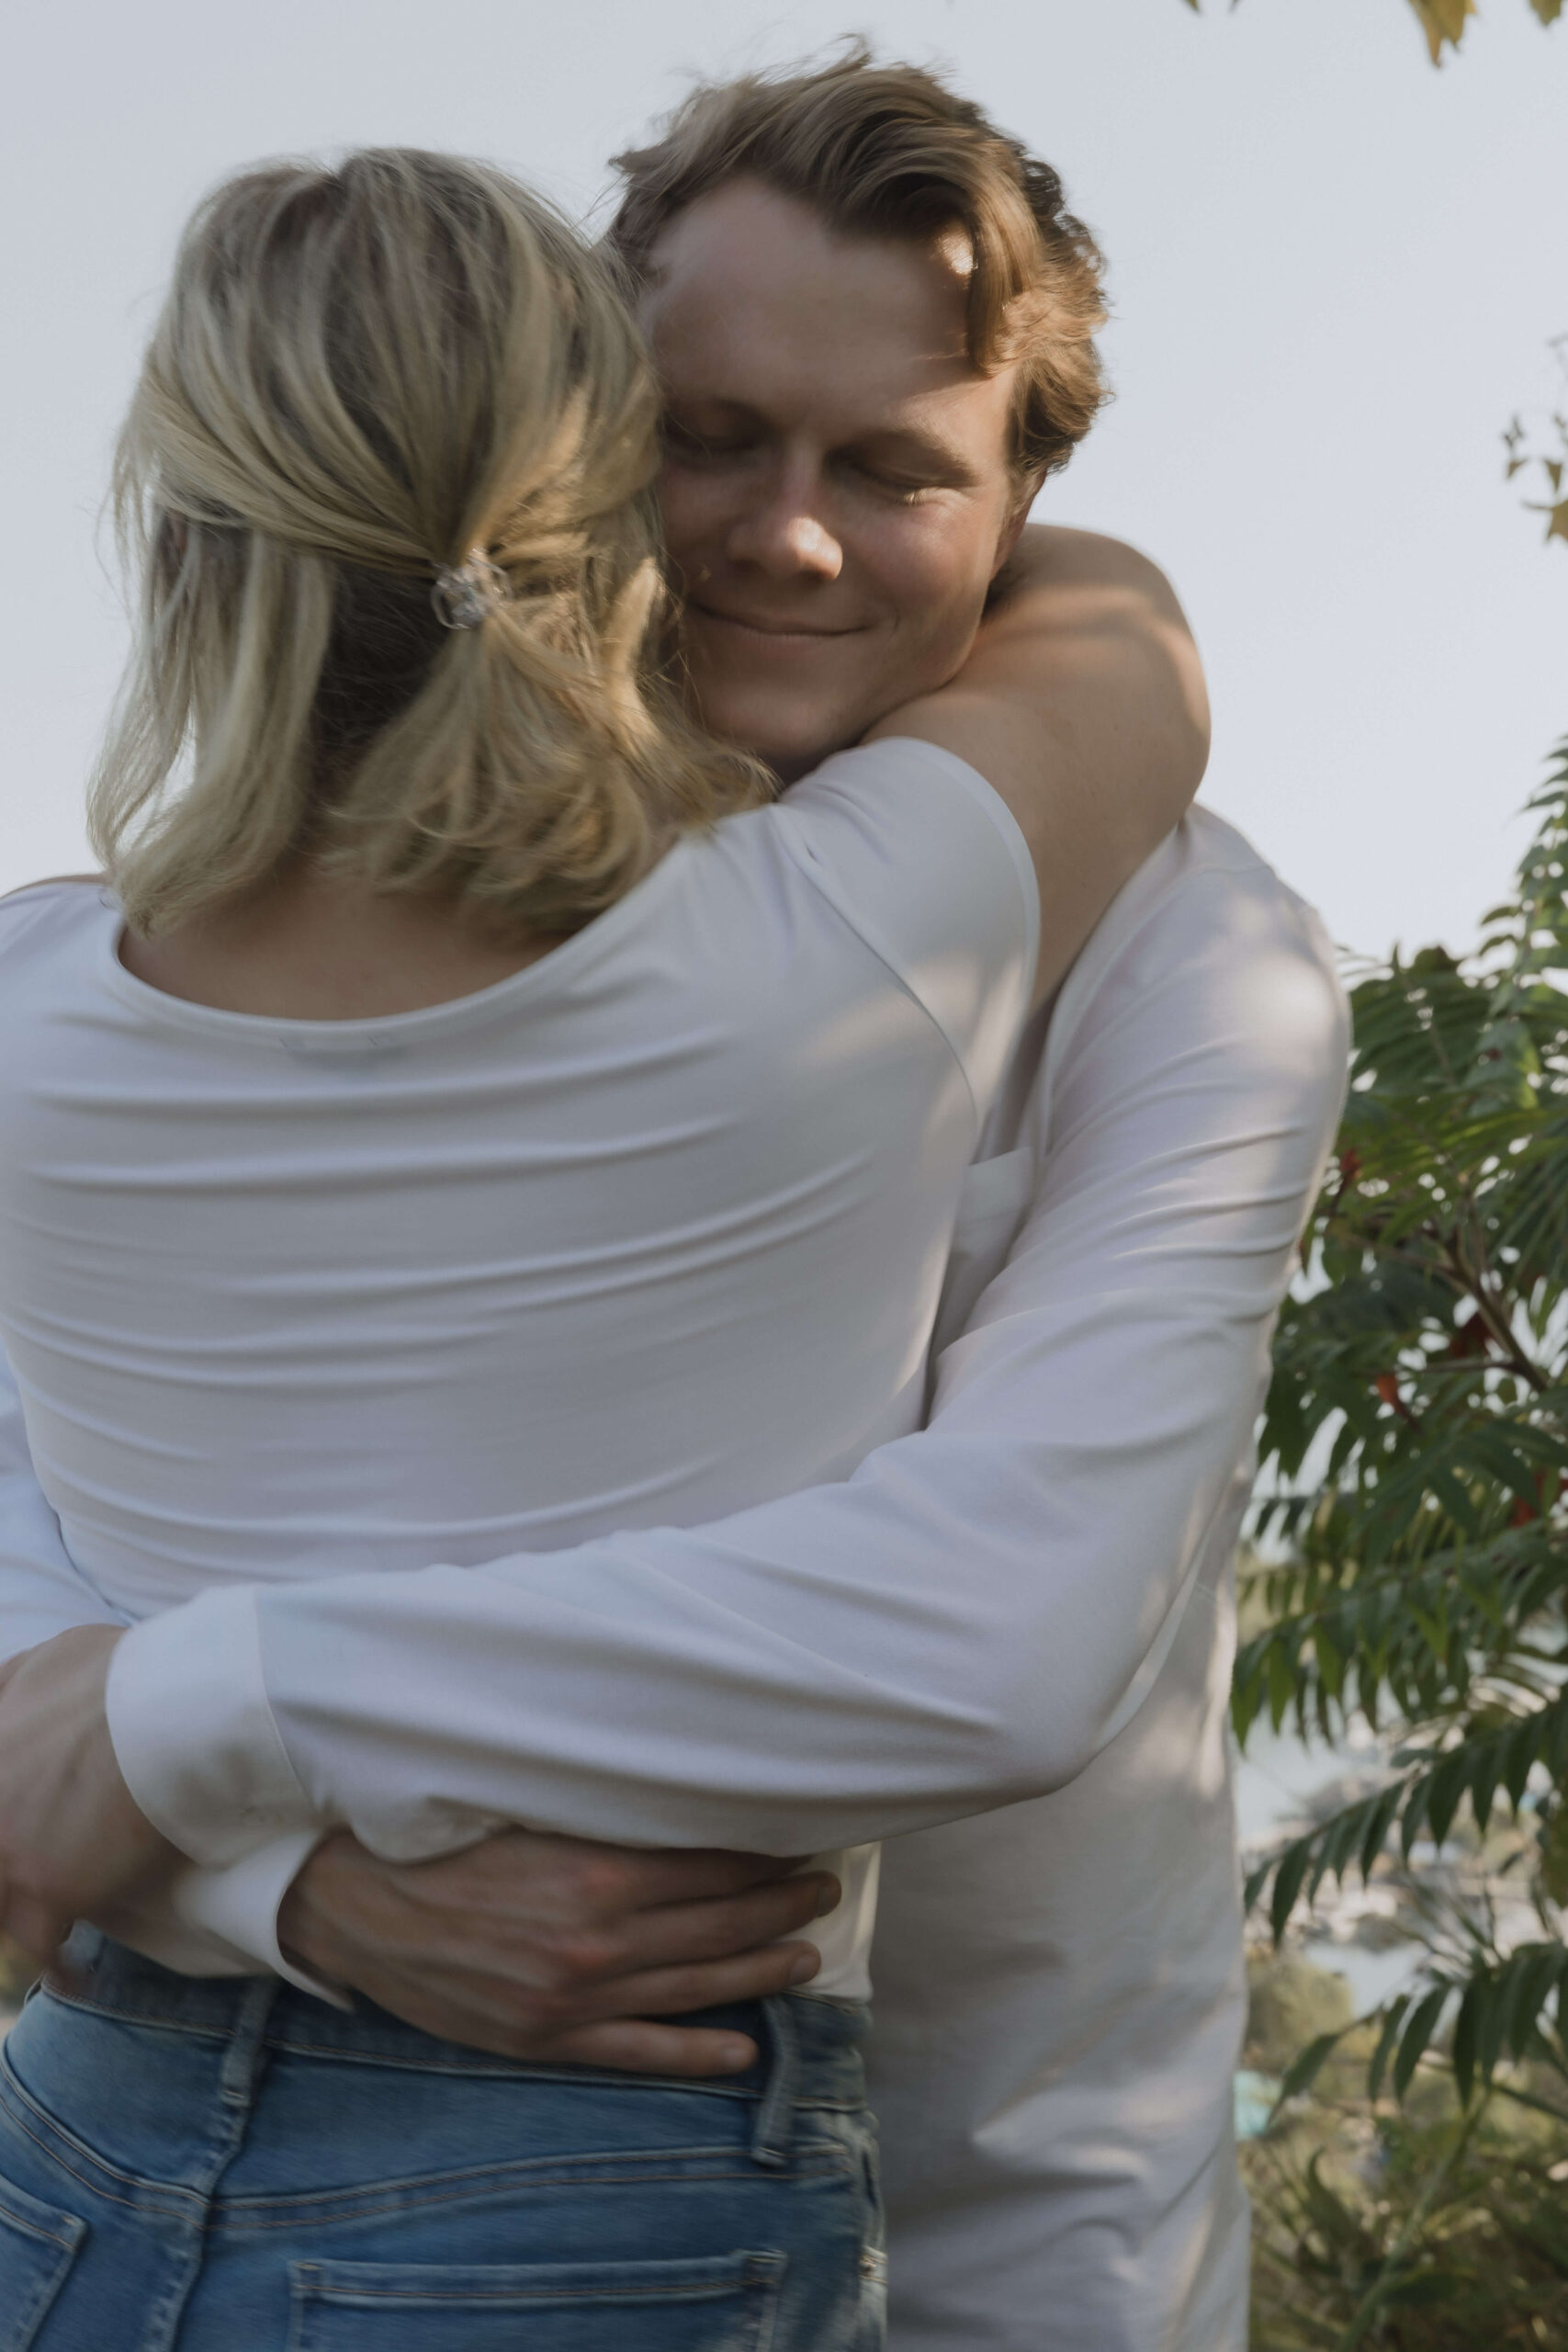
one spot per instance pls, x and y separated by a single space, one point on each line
791 740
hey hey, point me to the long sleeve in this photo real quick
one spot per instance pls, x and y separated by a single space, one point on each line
204 1920
42 1593
963 1622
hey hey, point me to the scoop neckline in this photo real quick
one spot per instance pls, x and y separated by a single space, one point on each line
537 979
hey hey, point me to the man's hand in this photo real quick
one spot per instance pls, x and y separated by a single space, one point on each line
551 1948
73 1842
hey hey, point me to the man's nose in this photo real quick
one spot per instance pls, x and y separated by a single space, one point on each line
784 536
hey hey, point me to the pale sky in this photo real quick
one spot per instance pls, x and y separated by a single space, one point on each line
1334 273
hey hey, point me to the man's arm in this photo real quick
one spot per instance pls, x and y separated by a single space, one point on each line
597 1941
960 1624
1083 702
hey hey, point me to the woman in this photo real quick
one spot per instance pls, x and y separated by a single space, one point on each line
476 1119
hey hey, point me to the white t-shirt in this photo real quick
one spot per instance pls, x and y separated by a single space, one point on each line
650 1231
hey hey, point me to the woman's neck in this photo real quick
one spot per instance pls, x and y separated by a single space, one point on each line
311 948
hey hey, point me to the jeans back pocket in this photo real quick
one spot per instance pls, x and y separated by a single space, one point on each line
37 2246
722 2303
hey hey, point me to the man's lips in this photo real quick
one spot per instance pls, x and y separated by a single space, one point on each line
758 625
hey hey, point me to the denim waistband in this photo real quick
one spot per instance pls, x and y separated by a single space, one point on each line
809 2054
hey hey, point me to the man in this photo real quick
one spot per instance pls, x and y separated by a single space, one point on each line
1029 1596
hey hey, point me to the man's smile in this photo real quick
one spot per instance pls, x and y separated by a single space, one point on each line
757 626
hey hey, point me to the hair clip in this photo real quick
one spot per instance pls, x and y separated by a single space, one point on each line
466 594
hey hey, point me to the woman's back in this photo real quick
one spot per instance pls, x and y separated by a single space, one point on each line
650 1230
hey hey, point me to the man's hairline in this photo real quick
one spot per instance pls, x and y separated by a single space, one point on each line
648 276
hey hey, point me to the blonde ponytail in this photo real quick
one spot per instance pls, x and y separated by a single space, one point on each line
360 376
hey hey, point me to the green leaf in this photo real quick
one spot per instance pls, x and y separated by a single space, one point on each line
1554 1853
1468 2028
1540 1969
1394 2018
1447 1784
1282 1683
1415 1435
1308 2064
1442 21
1380 1820
1288 1881
1419 2028
1522 1987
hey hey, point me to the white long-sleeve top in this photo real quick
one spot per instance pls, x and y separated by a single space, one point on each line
655 1227
840 1683
1030 1594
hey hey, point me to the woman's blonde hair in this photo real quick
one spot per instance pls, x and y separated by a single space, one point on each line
361 378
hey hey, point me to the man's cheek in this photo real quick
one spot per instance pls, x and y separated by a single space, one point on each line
684 514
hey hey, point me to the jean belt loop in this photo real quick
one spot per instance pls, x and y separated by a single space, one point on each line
775 2117
243 2059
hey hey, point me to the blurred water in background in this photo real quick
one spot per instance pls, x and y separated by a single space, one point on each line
1280 1782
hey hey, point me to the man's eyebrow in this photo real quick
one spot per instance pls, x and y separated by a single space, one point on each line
903 445
925 453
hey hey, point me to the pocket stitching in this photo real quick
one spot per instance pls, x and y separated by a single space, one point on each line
335 2208
55 2268
753 2286
150 2193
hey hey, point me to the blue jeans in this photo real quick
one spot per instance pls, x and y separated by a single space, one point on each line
228 2165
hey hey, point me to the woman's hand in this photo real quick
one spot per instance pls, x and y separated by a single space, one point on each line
73 1842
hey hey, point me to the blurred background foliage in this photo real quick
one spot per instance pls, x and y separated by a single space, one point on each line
1409 2167
1444 21
1411 2188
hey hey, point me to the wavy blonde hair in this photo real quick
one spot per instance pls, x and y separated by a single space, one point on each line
360 376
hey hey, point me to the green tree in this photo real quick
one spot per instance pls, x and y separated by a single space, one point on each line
1550 465
1443 21
1417 1437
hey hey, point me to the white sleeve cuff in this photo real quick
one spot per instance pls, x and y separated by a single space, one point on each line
241 1904
194 1732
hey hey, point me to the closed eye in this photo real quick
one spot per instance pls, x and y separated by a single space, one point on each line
694 448
907 489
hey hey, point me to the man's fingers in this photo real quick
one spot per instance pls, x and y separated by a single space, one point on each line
636 2046
706 1984
483 2015
721 1929
654 1880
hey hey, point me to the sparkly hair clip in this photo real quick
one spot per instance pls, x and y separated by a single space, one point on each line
466 594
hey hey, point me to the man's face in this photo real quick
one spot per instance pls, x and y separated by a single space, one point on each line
836 488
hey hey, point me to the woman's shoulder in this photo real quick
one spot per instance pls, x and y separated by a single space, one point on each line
52 882
898 778
35 910
917 851
922 862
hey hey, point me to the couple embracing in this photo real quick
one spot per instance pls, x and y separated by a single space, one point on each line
638 1230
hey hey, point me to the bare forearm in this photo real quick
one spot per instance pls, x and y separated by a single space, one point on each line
1073 612
1082 701
73 1842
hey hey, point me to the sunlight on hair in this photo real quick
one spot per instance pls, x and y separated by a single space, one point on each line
361 377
